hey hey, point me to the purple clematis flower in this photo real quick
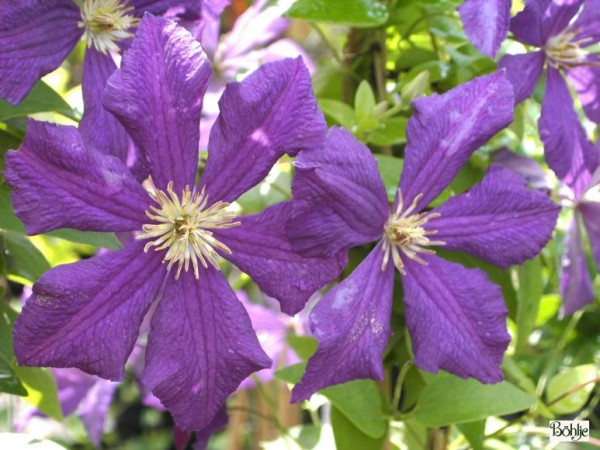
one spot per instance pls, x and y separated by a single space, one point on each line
563 30
88 314
486 23
455 315
37 35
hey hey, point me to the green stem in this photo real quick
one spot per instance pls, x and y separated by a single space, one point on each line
338 57
398 387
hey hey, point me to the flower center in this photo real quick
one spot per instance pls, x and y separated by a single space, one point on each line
563 51
106 22
404 232
182 227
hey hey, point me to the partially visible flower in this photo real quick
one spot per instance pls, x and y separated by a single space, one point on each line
455 315
486 23
564 32
88 314
256 38
527 167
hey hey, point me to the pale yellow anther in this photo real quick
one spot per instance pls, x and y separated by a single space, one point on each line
404 234
106 22
564 50
182 227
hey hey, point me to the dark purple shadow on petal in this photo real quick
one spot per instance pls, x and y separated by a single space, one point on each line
201 346
456 318
88 314
351 324
588 22
58 183
157 96
186 9
99 129
270 113
35 38
339 197
261 248
590 211
523 71
446 129
575 282
499 220
586 82
486 23
558 15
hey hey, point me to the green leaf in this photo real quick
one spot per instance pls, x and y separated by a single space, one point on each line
291 374
549 305
390 169
94 238
354 13
470 400
23 259
41 390
349 437
474 432
342 113
360 402
9 382
42 98
304 346
300 437
531 287
567 381
364 103
390 132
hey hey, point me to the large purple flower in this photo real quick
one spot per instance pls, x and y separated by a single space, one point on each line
37 35
87 315
563 38
455 315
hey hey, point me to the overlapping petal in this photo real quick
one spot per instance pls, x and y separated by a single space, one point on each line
456 318
268 114
87 314
523 71
339 197
527 167
446 129
157 96
558 14
486 23
261 248
560 129
575 283
527 24
588 22
351 324
499 220
186 9
585 79
35 38
590 212
100 130
201 346
58 183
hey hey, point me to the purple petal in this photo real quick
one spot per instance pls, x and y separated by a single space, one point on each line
157 96
558 15
339 197
486 23
270 113
527 167
586 82
499 220
58 183
446 129
351 324
99 129
73 385
94 408
588 22
590 211
260 247
523 71
87 314
212 9
456 318
217 424
35 38
187 9
527 25
575 283
200 348
560 129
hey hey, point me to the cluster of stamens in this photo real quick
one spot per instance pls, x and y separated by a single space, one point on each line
404 232
182 228
106 22
564 51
